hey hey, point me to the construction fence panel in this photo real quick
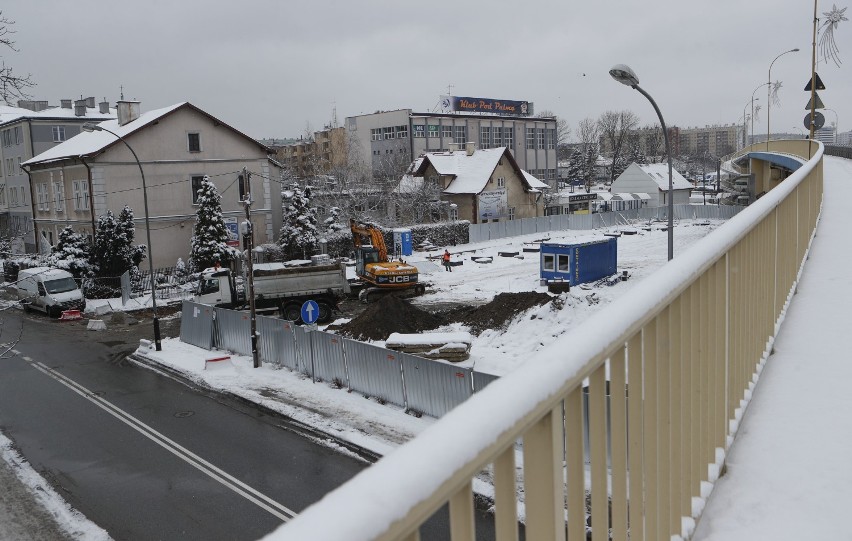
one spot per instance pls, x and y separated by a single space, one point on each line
233 331
499 230
272 344
527 225
329 364
475 233
196 324
374 371
303 350
481 380
434 388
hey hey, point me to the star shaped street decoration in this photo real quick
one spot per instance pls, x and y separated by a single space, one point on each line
827 46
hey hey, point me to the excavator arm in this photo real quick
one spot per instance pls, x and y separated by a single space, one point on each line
376 238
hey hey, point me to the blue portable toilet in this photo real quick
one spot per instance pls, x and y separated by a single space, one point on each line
578 263
402 244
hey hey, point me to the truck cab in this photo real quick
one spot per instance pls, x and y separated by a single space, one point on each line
216 287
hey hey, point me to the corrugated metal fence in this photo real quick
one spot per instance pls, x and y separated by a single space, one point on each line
415 383
546 224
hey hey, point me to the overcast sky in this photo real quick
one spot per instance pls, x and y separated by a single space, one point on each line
271 68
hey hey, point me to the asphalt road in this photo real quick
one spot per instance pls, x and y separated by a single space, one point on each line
147 457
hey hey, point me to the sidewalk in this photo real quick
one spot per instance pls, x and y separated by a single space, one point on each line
789 474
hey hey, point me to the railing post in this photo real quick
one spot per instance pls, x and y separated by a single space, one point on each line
543 477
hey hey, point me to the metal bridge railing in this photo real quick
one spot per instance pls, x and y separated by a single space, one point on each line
680 354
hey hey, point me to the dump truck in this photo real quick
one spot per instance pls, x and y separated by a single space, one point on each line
278 285
375 269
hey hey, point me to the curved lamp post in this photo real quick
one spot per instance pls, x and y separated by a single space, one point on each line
90 127
746 118
769 93
753 99
626 76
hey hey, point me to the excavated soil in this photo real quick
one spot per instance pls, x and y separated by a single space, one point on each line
392 314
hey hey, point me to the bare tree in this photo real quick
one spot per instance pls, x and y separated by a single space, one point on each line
614 127
588 135
12 86
655 146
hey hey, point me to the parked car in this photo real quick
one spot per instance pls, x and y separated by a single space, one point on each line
49 290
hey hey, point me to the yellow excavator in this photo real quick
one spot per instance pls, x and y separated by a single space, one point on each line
373 267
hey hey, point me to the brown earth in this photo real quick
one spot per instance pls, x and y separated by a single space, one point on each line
391 314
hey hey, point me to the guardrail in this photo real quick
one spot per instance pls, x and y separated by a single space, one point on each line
687 345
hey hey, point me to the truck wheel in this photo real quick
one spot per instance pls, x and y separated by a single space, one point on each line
26 306
292 312
324 313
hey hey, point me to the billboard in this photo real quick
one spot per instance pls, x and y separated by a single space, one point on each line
233 232
493 204
460 104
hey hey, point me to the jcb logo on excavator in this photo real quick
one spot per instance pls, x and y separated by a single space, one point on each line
398 279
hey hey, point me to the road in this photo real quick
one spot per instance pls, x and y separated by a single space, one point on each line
147 457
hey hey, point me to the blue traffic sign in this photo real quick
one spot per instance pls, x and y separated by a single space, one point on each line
310 312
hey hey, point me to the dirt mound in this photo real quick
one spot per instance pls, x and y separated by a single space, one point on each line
388 315
502 309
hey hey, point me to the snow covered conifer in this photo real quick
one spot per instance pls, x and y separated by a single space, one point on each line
299 229
71 253
332 223
109 252
209 242
127 233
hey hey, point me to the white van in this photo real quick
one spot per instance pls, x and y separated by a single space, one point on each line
49 290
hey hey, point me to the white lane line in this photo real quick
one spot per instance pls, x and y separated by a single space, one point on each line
194 460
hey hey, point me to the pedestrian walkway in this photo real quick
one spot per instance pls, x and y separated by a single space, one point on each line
789 471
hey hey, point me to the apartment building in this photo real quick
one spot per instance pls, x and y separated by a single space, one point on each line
27 130
325 150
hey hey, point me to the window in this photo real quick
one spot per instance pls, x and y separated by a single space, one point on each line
7 138
501 182
17 135
460 135
419 130
59 196
193 142
3 194
376 134
447 132
18 170
511 213
454 212
41 196
388 133
58 133
485 137
540 134
548 262
13 197
402 132
530 138
508 137
551 140
81 194
23 196
497 137
433 131
564 263
196 185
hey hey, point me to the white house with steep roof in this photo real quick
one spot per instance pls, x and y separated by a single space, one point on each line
484 185
652 179
76 182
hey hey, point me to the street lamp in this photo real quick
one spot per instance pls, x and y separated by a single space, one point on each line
626 76
746 118
769 93
753 99
90 127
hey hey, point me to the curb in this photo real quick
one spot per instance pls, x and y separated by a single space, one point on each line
289 423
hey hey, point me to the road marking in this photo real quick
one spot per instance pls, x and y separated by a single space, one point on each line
258 498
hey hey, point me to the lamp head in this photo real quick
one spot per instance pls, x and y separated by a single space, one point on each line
624 75
90 127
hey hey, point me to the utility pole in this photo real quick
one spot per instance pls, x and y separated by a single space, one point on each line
249 246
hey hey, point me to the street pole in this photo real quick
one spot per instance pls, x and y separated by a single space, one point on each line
769 90
249 238
157 340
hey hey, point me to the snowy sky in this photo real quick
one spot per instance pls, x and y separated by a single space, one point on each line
272 68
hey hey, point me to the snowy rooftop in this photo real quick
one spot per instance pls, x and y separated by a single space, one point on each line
11 114
659 173
87 143
471 172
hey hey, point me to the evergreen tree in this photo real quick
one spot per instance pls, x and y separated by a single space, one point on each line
111 252
209 242
299 230
575 165
636 155
71 253
332 223
590 158
127 232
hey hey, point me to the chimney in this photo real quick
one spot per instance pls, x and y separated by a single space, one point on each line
470 148
65 104
41 105
90 102
80 108
104 107
128 111
26 104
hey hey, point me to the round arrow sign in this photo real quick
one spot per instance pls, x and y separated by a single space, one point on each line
819 120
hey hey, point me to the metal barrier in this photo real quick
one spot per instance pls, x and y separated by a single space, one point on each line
233 331
434 388
196 324
272 344
328 361
481 380
375 371
691 339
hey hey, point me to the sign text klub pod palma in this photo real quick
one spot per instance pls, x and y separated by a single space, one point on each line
486 105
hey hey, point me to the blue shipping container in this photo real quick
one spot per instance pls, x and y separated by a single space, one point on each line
579 263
